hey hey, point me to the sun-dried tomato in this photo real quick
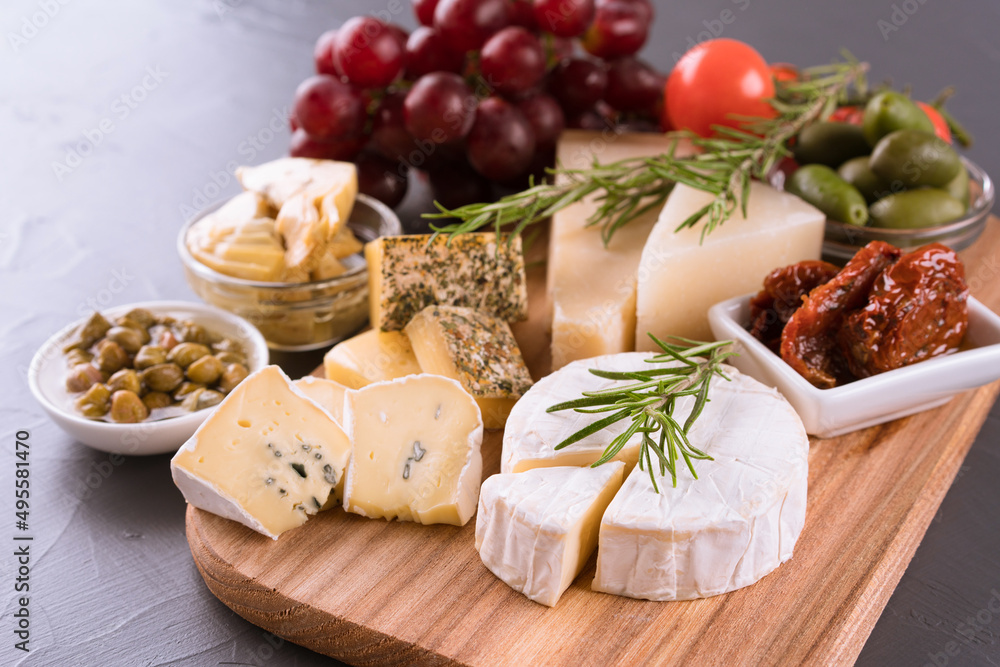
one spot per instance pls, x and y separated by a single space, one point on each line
782 295
918 309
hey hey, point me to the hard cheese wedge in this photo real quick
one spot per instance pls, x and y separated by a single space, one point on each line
417 451
681 276
268 457
531 434
592 287
729 528
372 356
535 530
408 273
475 348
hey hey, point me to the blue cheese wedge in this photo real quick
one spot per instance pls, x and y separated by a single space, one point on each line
475 348
408 273
417 451
268 457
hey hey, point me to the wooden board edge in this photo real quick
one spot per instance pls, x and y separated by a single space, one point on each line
853 634
298 623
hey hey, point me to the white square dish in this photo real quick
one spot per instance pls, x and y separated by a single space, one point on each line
831 412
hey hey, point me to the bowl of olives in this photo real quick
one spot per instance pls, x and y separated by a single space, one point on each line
140 379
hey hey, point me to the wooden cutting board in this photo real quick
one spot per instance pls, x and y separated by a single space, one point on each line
376 593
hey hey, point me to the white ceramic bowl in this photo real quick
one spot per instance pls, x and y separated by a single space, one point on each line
47 379
830 412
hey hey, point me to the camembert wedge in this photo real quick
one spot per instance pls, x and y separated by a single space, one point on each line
268 457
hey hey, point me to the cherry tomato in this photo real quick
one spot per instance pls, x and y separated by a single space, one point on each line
715 81
937 120
849 114
784 72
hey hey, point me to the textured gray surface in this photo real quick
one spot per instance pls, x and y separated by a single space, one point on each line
112 580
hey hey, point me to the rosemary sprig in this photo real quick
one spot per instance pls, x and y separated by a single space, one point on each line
649 401
723 165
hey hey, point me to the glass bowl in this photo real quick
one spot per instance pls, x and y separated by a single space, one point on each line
296 317
842 240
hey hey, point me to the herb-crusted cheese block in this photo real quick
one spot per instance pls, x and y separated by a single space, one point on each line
268 457
535 530
729 528
417 451
408 273
478 350
531 434
372 356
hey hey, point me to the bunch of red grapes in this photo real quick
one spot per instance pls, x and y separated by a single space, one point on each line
477 95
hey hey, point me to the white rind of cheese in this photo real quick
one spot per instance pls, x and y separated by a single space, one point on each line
241 456
417 451
681 275
532 433
536 530
592 287
729 528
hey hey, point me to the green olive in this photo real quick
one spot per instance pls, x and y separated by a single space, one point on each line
127 407
125 380
78 356
157 399
231 358
189 332
166 320
186 354
915 158
186 389
149 355
830 143
208 398
232 376
82 377
228 345
162 377
95 402
823 188
889 111
89 332
206 370
110 356
135 326
190 402
916 209
958 187
858 173
141 316
128 338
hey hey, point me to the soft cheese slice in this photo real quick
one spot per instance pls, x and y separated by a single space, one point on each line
408 273
592 287
372 356
475 348
681 276
268 457
729 528
535 530
330 396
239 240
417 453
531 434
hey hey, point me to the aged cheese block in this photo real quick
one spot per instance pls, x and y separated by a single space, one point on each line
408 273
535 530
681 276
735 524
592 287
417 452
475 348
268 457
532 433
372 356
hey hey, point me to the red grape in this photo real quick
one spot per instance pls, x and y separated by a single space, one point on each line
546 118
327 108
456 185
522 13
467 24
293 122
620 28
381 178
564 18
425 11
339 148
634 86
578 84
501 142
389 135
512 61
427 51
323 54
368 52
591 119
559 49
439 108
